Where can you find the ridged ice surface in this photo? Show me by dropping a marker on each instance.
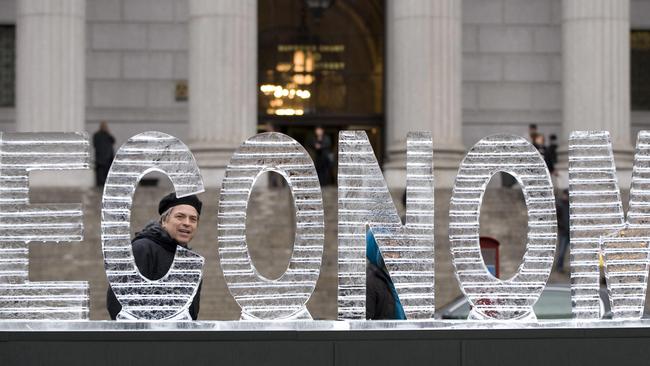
(302, 330)
(141, 298)
(598, 226)
(490, 297)
(22, 223)
(260, 297)
(364, 200)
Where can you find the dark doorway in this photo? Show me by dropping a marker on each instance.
(321, 64)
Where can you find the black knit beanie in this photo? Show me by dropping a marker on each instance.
(171, 200)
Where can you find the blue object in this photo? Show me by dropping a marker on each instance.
(492, 269)
(374, 256)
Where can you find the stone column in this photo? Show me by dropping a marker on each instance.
(50, 65)
(223, 81)
(424, 50)
(50, 75)
(596, 54)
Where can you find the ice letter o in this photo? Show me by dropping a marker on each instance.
(490, 297)
(259, 297)
(141, 298)
(22, 222)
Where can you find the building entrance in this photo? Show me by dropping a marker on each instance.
(321, 64)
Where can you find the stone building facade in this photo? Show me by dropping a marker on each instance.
(462, 70)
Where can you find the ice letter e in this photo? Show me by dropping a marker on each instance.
(22, 222)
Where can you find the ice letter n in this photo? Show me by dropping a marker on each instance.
(364, 200)
(598, 226)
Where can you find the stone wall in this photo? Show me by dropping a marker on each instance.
(512, 67)
(138, 49)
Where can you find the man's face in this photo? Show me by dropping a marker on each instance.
(181, 223)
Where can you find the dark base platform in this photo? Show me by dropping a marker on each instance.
(502, 347)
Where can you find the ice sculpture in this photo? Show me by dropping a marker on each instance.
(259, 297)
(492, 298)
(141, 298)
(598, 226)
(364, 200)
(22, 222)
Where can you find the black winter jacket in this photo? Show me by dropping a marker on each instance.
(103, 143)
(380, 303)
(153, 251)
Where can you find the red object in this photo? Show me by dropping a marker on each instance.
(490, 254)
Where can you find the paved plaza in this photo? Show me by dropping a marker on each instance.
(270, 237)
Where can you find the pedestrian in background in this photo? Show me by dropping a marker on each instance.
(562, 206)
(103, 143)
(552, 149)
(320, 147)
(532, 132)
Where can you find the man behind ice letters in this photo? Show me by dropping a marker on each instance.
(155, 246)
